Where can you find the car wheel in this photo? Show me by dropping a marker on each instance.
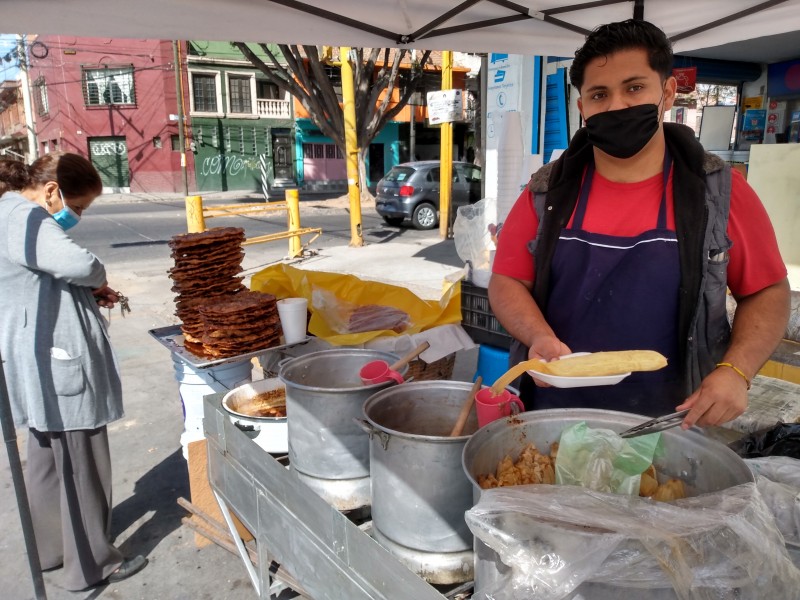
(425, 216)
(394, 221)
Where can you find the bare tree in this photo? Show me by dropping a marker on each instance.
(304, 76)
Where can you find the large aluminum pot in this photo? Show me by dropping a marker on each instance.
(419, 491)
(324, 398)
(703, 464)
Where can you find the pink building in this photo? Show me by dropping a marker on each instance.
(114, 101)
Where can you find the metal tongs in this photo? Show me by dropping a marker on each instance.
(657, 424)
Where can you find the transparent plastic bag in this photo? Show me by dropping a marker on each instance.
(471, 234)
(778, 479)
(558, 542)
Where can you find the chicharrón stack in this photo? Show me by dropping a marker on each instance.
(240, 324)
(207, 268)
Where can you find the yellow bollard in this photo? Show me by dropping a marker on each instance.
(195, 223)
(293, 221)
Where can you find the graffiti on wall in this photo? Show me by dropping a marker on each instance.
(108, 148)
(230, 164)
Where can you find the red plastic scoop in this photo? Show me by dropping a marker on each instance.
(379, 371)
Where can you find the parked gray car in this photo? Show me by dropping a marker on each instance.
(411, 191)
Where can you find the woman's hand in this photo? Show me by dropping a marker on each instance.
(106, 297)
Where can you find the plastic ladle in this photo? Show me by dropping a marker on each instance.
(466, 408)
(379, 371)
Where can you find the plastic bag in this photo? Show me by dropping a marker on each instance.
(599, 459)
(552, 541)
(778, 480)
(349, 291)
(471, 234)
(783, 439)
(347, 317)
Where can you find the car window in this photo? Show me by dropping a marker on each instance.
(399, 174)
(434, 175)
(471, 174)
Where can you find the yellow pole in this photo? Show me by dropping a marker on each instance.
(293, 220)
(351, 147)
(446, 153)
(195, 223)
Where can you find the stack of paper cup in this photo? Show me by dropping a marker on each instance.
(293, 313)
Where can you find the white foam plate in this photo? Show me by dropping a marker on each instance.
(575, 382)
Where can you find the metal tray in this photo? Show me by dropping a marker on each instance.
(171, 337)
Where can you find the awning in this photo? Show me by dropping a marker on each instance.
(547, 27)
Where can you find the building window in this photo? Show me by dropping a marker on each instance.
(308, 150)
(108, 86)
(267, 90)
(239, 94)
(40, 97)
(175, 142)
(205, 96)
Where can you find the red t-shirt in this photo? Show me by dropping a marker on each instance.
(628, 209)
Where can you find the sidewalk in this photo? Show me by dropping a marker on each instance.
(149, 471)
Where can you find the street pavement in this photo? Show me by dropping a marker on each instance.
(149, 471)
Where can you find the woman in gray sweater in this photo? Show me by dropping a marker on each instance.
(62, 375)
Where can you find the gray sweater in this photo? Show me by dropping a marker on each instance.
(61, 371)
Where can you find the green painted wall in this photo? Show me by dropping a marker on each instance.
(228, 152)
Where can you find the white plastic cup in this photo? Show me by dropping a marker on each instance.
(293, 313)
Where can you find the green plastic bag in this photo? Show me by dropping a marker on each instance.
(599, 459)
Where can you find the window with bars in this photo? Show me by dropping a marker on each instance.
(308, 150)
(239, 94)
(108, 86)
(40, 97)
(204, 92)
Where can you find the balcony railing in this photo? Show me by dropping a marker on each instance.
(273, 109)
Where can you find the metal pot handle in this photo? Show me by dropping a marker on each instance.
(372, 431)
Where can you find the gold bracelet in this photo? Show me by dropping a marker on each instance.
(738, 370)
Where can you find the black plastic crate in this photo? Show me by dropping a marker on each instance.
(477, 318)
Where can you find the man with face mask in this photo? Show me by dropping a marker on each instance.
(629, 241)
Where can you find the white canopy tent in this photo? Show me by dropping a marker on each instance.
(733, 29)
(755, 31)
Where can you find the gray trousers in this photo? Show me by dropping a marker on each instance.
(69, 489)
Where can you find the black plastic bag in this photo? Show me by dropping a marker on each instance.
(782, 439)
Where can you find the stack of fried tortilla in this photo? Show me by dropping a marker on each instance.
(207, 267)
(240, 324)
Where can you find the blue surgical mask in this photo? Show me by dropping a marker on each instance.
(66, 217)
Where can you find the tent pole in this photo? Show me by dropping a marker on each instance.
(446, 154)
(10, 438)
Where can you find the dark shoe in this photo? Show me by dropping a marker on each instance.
(129, 567)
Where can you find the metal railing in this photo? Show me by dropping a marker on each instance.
(196, 216)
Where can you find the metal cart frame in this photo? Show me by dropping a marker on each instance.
(330, 556)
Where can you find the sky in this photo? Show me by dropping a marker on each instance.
(8, 70)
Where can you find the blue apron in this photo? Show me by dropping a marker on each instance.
(615, 293)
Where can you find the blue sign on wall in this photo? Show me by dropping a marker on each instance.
(783, 79)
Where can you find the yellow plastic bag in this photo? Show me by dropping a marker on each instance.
(343, 300)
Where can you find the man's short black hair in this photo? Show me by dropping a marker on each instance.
(625, 35)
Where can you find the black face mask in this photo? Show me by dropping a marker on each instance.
(623, 133)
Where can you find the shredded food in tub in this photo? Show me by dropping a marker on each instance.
(533, 467)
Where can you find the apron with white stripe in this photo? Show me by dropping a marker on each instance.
(615, 293)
